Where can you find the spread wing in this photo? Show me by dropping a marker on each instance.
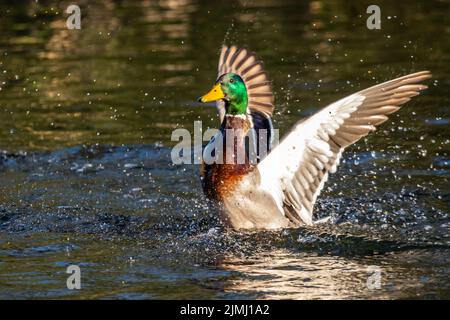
(296, 170)
(244, 63)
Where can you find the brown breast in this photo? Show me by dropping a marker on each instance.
(220, 179)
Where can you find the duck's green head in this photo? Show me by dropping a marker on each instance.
(231, 88)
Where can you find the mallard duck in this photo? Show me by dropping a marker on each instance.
(279, 190)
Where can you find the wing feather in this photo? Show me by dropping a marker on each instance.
(244, 63)
(297, 169)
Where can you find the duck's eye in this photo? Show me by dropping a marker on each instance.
(231, 80)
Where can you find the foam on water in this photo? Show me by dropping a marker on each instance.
(155, 215)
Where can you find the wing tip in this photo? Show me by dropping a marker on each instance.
(421, 75)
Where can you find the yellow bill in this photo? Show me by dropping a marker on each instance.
(214, 94)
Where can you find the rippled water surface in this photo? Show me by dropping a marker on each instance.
(85, 137)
